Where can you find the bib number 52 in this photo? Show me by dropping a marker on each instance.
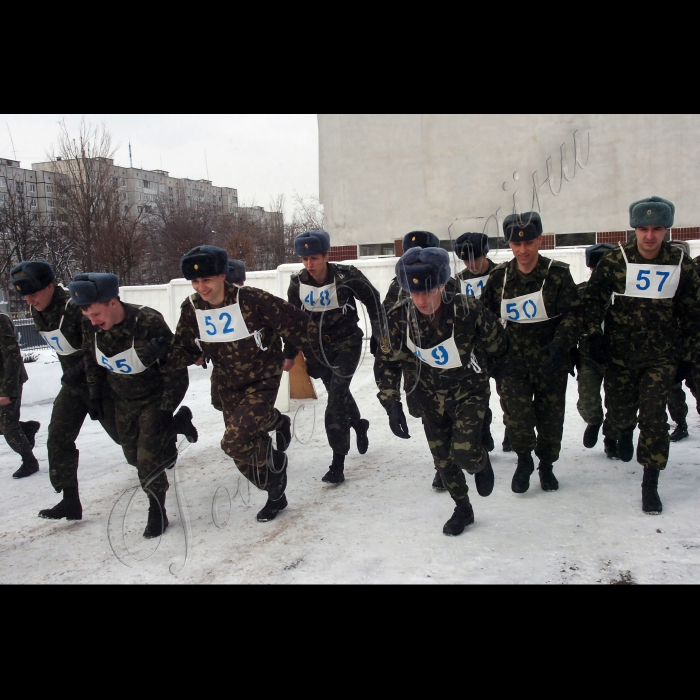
(644, 282)
(528, 310)
(212, 329)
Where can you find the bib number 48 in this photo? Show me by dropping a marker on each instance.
(644, 282)
(324, 298)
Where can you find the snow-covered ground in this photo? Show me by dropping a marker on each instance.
(383, 525)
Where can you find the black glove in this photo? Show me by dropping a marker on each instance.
(684, 371)
(598, 349)
(373, 346)
(575, 355)
(397, 422)
(500, 367)
(96, 409)
(156, 350)
(73, 377)
(556, 360)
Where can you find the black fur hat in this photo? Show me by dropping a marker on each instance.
(654, 211)
(236, 272)
(312, 243)
(420, 239)
(204, 261)
(423, 269)
(32, 276)
(522, 227)
(595, 252)
(473, 245)
(91, 287)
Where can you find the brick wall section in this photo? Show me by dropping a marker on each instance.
(613, 237)
(548, 241)
(685, 234)
(343, 252)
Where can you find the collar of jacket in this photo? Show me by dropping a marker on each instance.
(539, 272)
(668, 255)
(230, 297)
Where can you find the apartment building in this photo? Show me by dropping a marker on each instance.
(36, 186)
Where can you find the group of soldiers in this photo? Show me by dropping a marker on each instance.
(635, 325)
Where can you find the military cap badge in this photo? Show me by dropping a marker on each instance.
(415, 281)
(521, 234)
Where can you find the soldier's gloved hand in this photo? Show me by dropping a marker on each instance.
(96, 409)
(556, 360)
(598, 349)
(397, 422)
(500, 367)
(684, 371)
(73, 377)
(156, 350)
(373, 346)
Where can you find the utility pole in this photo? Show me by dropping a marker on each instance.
(131, 164)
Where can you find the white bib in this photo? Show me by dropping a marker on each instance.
(652, 281)
(443, 356)
(318, 298)
(222, 325)
(57, 341)
(528, 308)
(126, 362)
(475, 286)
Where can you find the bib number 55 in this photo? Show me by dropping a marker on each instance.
(122, 367)
(528, 309)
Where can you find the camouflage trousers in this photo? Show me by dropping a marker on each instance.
(453, 429)
(249, 415)
(67, 417)
(677, 405)
(535, 402)
(144, 443)
(638, 394)
(12, 428)
(590, 403)
(342, 412)
(215, 400)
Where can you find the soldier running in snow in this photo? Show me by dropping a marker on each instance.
(449, 340)
(648, 294)
(537, 300)
(329, 293)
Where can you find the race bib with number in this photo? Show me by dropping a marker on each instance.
(443, 356)
(652, 281)
(475, 286)
(223, 325)
(125, 363)
(58, 342)
(318, 298)
(528, 308)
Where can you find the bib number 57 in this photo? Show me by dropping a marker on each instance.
(643, 281)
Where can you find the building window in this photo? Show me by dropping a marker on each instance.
(33, 203)
(139, 184)
(123, 182)
(126, 208)
(3, 182)
(149, 197)
(170, 191)
(52, 217)
(49, 189)
(140, 210)
(124, 196)
(50, 203)
(579, 239)
(138, 196)
(161, 188)
(2, 198)
(32, 188)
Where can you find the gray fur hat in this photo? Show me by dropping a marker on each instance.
(31, 276)
(236, 272)
(423, 269)
(92, 287)
(522, 227)
(653, 211)
(471, 244)
(312, 243)
(204, 261)
(595, 252)
(420, 239)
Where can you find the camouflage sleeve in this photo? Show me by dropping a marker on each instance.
(392, 295)
(185, 349)
(96, 375)
(388, 366)
(570, 308)
(176, 381)
(290, 350)
(363, 290)
(490, 331)
(688, 307)
(597, 295)
(491, 297)
(296, 328)
(13, 371)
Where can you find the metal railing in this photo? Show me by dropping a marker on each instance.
(27, 337)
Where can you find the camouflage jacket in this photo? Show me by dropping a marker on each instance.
(12, 371)
(243, 362)
(339, 326)
(475, 330)
(561, 301)
(139, 326)
(62, 307)
(638, 329)
(466, 274)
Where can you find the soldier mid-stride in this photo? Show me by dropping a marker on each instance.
(537, 300)
(395, 298)
(590, 374)
(60, 322)
(329, 293)
(13, 375)
(115, 337)
(241, 330)
(652, 328)
(453, 390)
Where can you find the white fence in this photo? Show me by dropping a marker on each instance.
(167, 298)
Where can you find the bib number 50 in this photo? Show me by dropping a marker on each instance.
(528, 310)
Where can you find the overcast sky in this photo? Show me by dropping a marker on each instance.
(262, 155)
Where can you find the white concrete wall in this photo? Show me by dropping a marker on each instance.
(382, 175)
(167, 298)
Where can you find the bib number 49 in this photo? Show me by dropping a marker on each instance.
(644, 282)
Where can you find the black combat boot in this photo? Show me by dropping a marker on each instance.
(463, 515)
(625, 446)
(276, 475)
(283, 435)
(271, 508)
(30, 429)
(437, 482)
(610, 447)
(362, 439)
(335, 474)
(182, 424)
(590, 435)
(680, 433)
(69, 508)
(651, 503)
(29, 466)
(157, 517)
(521, 478)
(484, 479)
(486, 438)
(548, 481)
(506, 442)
